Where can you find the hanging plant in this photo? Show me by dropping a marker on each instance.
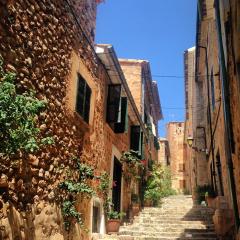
(132, 165)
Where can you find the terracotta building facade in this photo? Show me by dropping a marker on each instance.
(175, 137)
(50, 46)
(216, 88)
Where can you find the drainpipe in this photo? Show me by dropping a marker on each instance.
(227, 116)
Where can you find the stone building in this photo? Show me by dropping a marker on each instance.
(146, 97)
(175, 137)
(91, 115)
(217, 93)
(163, 152)
(194, 132)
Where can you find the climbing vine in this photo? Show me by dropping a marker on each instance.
(18, 117)
(103, 189)
(73, 187)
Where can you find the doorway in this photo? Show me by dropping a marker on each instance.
(116, 186)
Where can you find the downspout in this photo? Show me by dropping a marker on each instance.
(227, 116)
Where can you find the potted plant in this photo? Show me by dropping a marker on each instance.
(204, 192)
(114, 221)
(135, 204)
(210, 196)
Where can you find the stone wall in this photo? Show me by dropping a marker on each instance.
(44, 44)
(175, 137)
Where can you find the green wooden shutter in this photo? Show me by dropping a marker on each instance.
(122, 126)
(136, 141)
(113, 103)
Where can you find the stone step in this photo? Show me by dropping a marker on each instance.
(165, 228)
(172, 220)
(170, 234)
(176, 219)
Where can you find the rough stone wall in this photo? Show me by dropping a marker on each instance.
(233, 63)
(175, 136)
(86, 10)
(42, 41)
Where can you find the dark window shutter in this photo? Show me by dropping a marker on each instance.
(83, 98)
(87, 103)
(113, 103)
(135, 139)
(122, 126)
(80, 95)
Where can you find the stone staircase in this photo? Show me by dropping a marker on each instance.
(176, 219)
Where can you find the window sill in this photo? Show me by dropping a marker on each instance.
(81, 124)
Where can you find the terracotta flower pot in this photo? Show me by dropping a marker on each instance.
(210, 201)
(113, 225)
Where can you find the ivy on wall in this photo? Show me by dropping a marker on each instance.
(18, 117)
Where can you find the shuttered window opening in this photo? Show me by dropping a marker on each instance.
(83, 98)
(136, 140)
(122, 125)
(113, 103)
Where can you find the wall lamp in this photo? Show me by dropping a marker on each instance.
(190, 144)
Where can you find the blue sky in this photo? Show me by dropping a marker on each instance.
(156, 30)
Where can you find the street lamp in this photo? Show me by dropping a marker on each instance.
(190, 141)
(190, 144)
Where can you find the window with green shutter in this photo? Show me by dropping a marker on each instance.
(83, 98)
(113, 103)
(136, 140)
(122, 126)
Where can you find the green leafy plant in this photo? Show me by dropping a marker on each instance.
(132, 165)
(77, 187)
(18, 124)
(159, 184)
(73, 187)
(85, 171)
(115, 215)
(104, 183)
(204, 190)
(70, 213)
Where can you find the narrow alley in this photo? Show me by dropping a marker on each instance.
(119, 119)
(176, 219)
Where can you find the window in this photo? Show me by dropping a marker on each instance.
(113, 103)
(122, 126)
(117, 109)
(136, 140)
(83, 98)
